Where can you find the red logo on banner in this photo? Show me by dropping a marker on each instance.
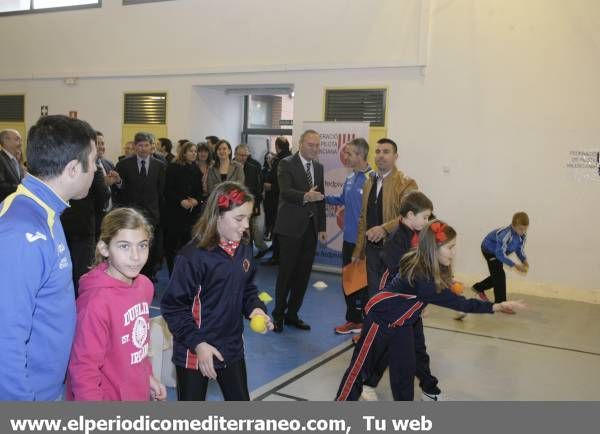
(342, 140)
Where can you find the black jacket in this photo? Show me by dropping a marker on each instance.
(280, 156)
(253, 180)
(9, 178)
(293, 214)
(182, 181)
(79, 220)
(144, 193)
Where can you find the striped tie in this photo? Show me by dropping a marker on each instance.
(309, 176)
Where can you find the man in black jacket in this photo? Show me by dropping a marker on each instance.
(300, 221)
(79, 224)
(253, 180)
(282, 147)
(142, 186)
(111, 177)
(11, 171)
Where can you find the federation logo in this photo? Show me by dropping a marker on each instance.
(246, 265)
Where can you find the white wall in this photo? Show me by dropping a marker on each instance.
(211, 36)
(217, 114)
(509, 89)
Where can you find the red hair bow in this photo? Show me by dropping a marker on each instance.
(438, 229)
(235, 197)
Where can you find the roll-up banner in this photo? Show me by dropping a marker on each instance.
(334, 136)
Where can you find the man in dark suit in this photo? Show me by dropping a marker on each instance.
(111, 177)
(253, 180)
(79, 222)
(11, 171)
(142, 186)
(282, 147)
(300, 221)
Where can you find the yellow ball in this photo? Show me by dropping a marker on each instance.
(258, 323)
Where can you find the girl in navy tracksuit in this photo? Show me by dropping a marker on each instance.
(211, 288)
(415, 211)
(425, 277)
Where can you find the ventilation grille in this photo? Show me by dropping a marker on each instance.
(12, 108)
(147, 108)
(356, 105)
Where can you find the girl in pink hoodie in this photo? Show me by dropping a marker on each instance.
(109, 356)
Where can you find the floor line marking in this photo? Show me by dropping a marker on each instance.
(273, 387)
(292, 397)
(512, 340)
(279, 383)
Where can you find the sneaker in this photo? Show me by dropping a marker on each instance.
(507, 310)
(432, 397)
(355, 339)
(460, 316)
(349, 327)
(480, 294)
(369, 394)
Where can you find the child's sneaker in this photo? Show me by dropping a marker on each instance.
(369, 394)
(480, 294)
(432, 397)
(349, 327)
(355, 339)
(460, 316)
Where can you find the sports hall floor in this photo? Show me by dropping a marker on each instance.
(550, 352)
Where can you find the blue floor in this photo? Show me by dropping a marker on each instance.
(272, 355)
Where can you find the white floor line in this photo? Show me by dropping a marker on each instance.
(291, 374)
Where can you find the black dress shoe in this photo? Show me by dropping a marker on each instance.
(277, 325)
(298, 323)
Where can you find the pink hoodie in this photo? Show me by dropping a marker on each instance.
(109, 356)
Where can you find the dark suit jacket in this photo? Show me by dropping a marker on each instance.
(79, 220)
(9, 178)
(145, 193)
(108, 166)
(275, 184)
(294, 215)
(182, 181)
(253, 180)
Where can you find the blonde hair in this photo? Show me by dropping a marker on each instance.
(422, 263)
(117, 219)
(205, 230)
(520, 218)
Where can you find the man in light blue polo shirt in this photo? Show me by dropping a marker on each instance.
(351, 198)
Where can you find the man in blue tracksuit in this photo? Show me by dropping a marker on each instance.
(496, 247)
(37, 315)
(351, 198)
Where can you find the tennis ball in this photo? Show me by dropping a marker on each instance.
(457, 288)
(258, 323)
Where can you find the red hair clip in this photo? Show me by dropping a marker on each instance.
(235, 197)
(438, 229)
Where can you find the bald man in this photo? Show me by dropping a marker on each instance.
(11, 171)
